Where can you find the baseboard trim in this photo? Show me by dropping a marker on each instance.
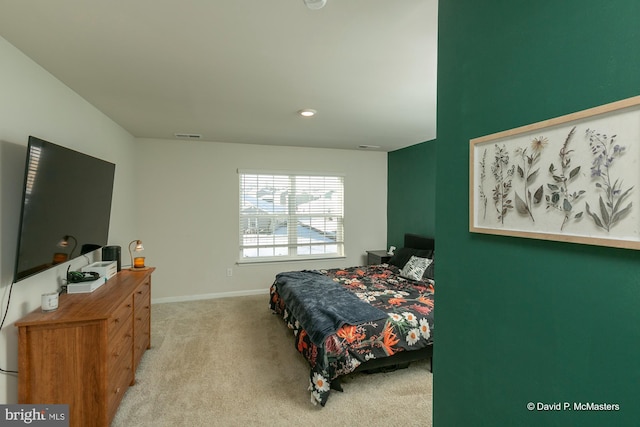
(209, 296)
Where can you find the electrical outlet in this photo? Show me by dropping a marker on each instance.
(229, 272)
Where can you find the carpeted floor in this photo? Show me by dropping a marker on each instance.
(231, 362)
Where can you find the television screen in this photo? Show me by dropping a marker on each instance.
(66, 206)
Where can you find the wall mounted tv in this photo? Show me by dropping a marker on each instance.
(66, 206)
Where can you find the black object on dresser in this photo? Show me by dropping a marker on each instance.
(112, 253)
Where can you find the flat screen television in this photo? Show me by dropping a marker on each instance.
(66, 207)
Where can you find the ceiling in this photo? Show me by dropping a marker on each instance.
(239, 70)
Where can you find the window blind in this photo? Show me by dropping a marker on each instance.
(290, 216)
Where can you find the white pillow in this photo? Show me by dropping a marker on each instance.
(415, 268)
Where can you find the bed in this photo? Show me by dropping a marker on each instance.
(365, 318)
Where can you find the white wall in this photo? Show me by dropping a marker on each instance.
(33, 102)
(188, 212)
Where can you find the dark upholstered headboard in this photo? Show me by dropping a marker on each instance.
(415, 241)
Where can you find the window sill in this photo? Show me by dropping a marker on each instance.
(282, 260)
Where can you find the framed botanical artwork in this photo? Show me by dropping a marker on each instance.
(574, 178)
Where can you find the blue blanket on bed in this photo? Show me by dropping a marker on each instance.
(321, 305)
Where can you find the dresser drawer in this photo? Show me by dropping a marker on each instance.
(142, 338)
(142, 323)
(119, 318)
(120, 343)
(120, 377)
(142, 311)
(142, 295)
(120, 357)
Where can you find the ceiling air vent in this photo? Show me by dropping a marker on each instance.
(188, 135)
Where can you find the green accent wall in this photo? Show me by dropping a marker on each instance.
(411, 195)
(523, 320)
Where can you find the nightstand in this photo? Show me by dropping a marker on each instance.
(377, 257)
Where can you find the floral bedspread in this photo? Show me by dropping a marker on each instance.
(409, 325)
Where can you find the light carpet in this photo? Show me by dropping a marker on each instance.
(232, 362)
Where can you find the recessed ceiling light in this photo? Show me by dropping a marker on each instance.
(368, 147)
(307, 112)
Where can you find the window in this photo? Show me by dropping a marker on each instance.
(290, 216)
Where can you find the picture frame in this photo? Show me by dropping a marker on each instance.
(573, 178)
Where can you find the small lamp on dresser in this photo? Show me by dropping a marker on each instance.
(137, 263)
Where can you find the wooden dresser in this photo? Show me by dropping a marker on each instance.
(85, 353)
